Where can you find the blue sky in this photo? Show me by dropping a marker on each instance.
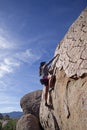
(29, 33)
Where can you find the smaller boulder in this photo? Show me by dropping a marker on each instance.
(30, 103)
(4, 123)
(28, 122)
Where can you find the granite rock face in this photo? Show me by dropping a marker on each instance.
(67, 108)
(73, 48)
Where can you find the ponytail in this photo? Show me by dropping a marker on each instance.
(40, 68)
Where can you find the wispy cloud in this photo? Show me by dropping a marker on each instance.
(9, 103)
(4, 44)
(5, 40)
(6, 62)
(3, 86)
(10, 108)
(11, 57)
(14, 60)
(27, 56)
(8, 100)
(7, 66)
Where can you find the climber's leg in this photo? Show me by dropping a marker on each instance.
(46, 94)
(46, 84)
(52, 80)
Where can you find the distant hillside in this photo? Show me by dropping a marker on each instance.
(13, 114)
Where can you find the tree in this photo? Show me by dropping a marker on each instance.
(1, 116)
(0, 126)
(6, 117)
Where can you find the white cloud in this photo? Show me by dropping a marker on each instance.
(13, 55)
(7, 66)
(12, 60)
(7, 47)
(6, 98)
(10, 109)
(4, 44)
(3, 86)
(9, 103)
(5, 40)
(27, 56)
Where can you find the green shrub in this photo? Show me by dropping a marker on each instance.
(0, 126)
(11, 125)
(1, 116)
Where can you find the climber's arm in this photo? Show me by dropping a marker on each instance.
(51, 60)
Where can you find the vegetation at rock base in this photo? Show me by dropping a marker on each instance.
(10, 125)
(0, 126)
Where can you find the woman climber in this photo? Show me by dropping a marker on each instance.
(47, 78)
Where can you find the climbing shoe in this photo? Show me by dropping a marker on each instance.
(46, 104)
(50, 89)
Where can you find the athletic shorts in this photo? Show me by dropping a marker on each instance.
(44, 81)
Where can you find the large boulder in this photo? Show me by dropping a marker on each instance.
(67, 108)
(30, 103)
(73, 48)
(28, 122)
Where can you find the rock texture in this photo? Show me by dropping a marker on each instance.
(28, 122)
(67, 108)
(73, 48)
(30, 103)
(3, 122)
